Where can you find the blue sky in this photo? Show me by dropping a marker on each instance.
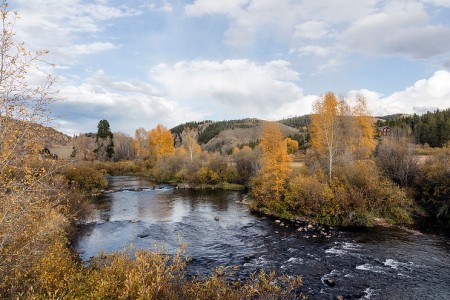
(138, 63)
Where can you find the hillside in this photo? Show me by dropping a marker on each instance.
(57, 142)
(225, 135)
(298, 122)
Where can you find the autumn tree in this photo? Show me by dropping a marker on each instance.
(363, 131)
(292, 145)
(268, 188)
(31, 220)
(84, 146)
(246, 162)
(341, 132)
(189, 141)
(104, 140)
(396, 158)
(123, 146)
(325, 128)
(140, 143)
(160, 139)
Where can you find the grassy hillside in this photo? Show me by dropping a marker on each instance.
(225, 135)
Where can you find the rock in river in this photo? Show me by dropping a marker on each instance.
(330, 282)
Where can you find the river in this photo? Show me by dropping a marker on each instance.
(373, 263)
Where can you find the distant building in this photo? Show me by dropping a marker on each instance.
(384, 131)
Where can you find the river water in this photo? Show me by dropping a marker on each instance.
(375, 263)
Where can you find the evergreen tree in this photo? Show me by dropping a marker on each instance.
(104, 140)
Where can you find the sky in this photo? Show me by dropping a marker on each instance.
(138, 63)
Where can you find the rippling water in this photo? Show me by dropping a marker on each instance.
(377, 263)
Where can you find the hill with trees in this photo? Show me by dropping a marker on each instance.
(223, 136)
(432, 128)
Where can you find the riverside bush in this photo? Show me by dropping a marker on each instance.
(85, 178)
(146, 274)
(356, 195)
(433, 186)
(118, 167)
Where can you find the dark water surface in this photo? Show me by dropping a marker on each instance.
(376, 263)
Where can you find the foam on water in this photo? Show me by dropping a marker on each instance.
(295, 260)
(394, 264)
(369, 267)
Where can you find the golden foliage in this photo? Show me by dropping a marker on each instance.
(292, 145)
(161, 140)
(341, 132)
(268, 188)
(140, 144)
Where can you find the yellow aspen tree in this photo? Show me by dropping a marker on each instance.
(161, 141)
(292, 145)
(365, 131)
(189, 141)
(325, 128)
(275, 167)
(140, 142)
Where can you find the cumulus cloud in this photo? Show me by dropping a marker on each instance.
(285, 18)
(370, 27)
(127, 105)
(425, 95)
(233, 88)
(57, 25)
(311, 30)
(400, 28)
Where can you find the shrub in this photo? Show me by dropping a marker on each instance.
(309, 197)
(147, 274)
(85, 178)
(433, 187)
(118, 168)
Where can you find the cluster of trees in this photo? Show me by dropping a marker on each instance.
(340, 184)
(188, 163)
(432, 128)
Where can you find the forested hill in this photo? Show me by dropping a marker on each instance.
(225, 135)
(298, 122)
(432, 128)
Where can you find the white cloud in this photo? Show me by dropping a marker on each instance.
(58, 25)
(91, 48)
(279, 19)
(311, 50)
(127, 105)
(372, 27)
(426, 94)
(330, 65)
(311, 30)
(232, 88)
(400, 28)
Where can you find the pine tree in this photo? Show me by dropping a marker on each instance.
(104, 140)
